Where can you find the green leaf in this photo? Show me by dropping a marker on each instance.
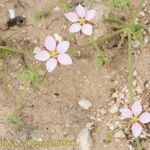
(138, 36)
(31, 76)
(108, 136)
(136, 27)
(13, 119)
(101, 60)
(136, 30)
(26, 76)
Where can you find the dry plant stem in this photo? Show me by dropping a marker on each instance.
(5, 75)
(130, 69)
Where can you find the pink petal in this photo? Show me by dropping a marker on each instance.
(50, 43)
(72, 17)
(80, 10)
(126, 113)
(64, 59)
(42, 55)
(63, 46)
(137, 108)
(136, 129)
(87, 29)
(51, 64)
(76, 27)
(145, 117)
(90, 15)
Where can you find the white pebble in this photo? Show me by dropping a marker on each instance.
(114, 108)
(120, 135)
(85, 104)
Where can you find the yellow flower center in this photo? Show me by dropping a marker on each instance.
(54, 54)
(135, 119)
(82, 21)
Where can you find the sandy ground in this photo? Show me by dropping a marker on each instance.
(51, 112)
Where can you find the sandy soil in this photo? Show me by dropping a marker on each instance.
(51, 112)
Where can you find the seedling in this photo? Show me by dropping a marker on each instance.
(15, 120)
(38, 16)
(31, 77)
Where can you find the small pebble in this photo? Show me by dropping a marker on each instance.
(120, 135)
(114, 109)
(85, 104)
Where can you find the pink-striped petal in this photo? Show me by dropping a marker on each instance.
(64, 59)
(87, 29)
(42, 55)
(50, 43)
(51, 64)
(126, 113)
(136, 129)
(137, 108)
(72, 17)
(76, 27)
(80, 10)
(90, 15)
(63, 46)
(145, 117)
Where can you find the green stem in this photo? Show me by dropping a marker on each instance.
(15, 50)
(99, 39)
(139, 147)
(130, 69)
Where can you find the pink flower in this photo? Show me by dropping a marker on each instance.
(81, 20)
(136, 116)
(54, 53)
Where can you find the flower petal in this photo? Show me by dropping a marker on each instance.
(51, 64)
(42, 55)
(87, 29)
(72, 17)
(63, 46)
(50, 43)
(90, 15)
(80, 10)
(137, 108)
(126, 113)
(136, 129)
(145, 117)
(76, 27)
(64, 59)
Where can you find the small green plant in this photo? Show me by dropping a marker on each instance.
(119, 3)
(108, 136)
(30, 76)
(101, 60)
(38, 16)
(64, 4)
(15, 120)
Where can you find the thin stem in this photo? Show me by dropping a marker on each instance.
(16, 50)
(99, 39)
(5, 78)
(139, 147)
(137, 10)
(130, 69)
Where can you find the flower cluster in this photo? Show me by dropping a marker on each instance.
(54, 52)
(136, 117)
